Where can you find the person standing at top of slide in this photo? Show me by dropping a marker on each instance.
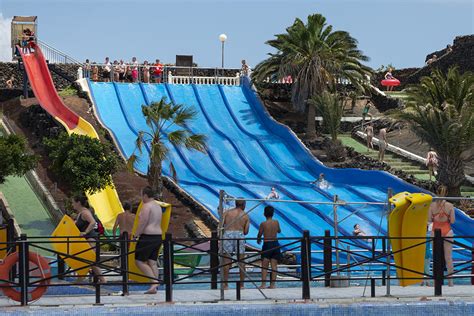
(382, 143)
(432, 162)
(134, 66)
(245, 69)
(107, 69)
(149, 238)
(157, 71)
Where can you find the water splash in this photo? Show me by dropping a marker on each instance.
(5, 31)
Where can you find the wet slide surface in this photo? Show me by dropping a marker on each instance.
(106, 202)
(247, 154)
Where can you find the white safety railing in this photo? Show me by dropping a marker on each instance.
(230, 81)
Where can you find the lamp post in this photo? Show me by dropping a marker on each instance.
(222, 38)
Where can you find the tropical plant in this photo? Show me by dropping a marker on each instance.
(331, 108)
(440, 110)
(315, 56)
(84, 163)
(14, 159)
(160, 117)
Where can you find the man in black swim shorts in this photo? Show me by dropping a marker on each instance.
(149, 238)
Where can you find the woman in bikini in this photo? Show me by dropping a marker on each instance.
(442, 216)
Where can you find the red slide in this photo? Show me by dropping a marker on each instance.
(44, 90)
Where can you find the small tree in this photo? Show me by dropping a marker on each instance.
(14, 159)
(160, 117)
(82, 162)
(331, 109)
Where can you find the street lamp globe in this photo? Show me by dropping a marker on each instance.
(222, 38)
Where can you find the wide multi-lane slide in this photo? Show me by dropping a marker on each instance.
(248, 153)
(106, 203)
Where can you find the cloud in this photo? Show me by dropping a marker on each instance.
(5, 45)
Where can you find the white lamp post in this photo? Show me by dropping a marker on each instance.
(222, 38)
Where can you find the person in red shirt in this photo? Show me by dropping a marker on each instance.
(157, 71)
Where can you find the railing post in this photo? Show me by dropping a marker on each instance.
(168, 268)
(24, 268)
(438, 262)
(214, 259)
(384, 249)
(96, 277)
(472, 265)
(305, 264)
(327, 256)
(11, 247)
(61, 268)
(372, 287)
(336, 233)
(388, 251)
(124, 262)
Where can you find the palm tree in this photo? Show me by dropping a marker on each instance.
(441, 112)
(160, 117)
(315, 56)
(330, 107)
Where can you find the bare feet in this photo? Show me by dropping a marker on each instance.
(263, 286)
(272, 286)
(242, 286)
(226, 287)
(151, 291)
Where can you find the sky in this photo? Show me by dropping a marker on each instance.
(400, 32)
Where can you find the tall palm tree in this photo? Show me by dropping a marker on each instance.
(315, 56)
(441, 112)
(160, 117)
(330, 107)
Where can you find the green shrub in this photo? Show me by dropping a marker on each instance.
(83, 162)
(14, 159)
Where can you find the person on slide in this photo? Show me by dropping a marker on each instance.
(149, 238)
(389, 76)
(441, 214)
(87, 225)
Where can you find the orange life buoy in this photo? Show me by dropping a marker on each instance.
(8, 288)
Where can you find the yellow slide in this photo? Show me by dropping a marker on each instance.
(409, 219)
(106, 203)
(165, 222)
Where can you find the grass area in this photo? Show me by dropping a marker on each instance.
(68, 91)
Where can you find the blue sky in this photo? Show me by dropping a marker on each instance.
(400, 32)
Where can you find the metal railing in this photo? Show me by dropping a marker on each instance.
(55, 56)
(370, 263)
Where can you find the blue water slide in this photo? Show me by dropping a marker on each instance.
(247, 153)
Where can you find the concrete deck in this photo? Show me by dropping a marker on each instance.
(319, 296)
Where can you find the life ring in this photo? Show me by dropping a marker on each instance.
(390, 82)
(8, 288)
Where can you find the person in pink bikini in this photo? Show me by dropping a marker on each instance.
(441, 214)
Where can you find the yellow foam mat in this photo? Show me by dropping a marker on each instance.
(414, 224)
(395, 226)
(165, 221)
(67, 227)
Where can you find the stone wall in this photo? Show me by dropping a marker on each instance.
(7, 70)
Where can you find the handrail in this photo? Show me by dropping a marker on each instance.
(55, 56)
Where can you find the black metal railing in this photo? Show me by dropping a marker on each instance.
(365, 261)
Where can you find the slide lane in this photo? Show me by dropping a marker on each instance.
(106, 202)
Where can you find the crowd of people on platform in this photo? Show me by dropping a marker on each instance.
(120, 71)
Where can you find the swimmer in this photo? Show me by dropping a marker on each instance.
(273, 194)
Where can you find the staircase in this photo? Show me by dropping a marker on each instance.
(59, 62)
(416, 169)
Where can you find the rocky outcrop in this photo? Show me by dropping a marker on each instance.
(462, 55)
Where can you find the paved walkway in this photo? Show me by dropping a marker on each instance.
(320, 295)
